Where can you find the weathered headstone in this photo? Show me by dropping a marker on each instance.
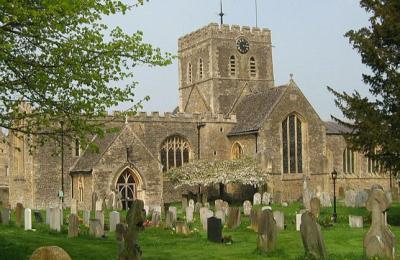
(99, 205)
(389, 197)
(247, 208)
(114, 220)
(18, 214)
(120, 233)
(73, 225)
(325, 199)
(49, 253)
(189, 214)
(266, 198)
(5, 216)
(181, 228)
(86, 217)
(94, 201)
(277, 197)
(221, 215)
(254, 218)
(100, 216)
(225, 207)
(279, 219)
(307, 194)
(214, 230)
(267, 232)
(55, 219)
(74, 206)
(28, 219)
(38, 216)
(355, 221)
(95, 228)
(266, 207)
(350, 198)
(206, 215)
(174, 213)
(111, 200)
(361, 199)
(315, 206)
(298, 221)
(233, 218)
(285, 204)
(257, 199)
(184, 201)
(379, 241)
(155, 218)
(169, 219)
(341, 193)
(197, 206)
(311, 236)
(218, 204)
(191, 203)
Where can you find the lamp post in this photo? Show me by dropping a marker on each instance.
(334, 177)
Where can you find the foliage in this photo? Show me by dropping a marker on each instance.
(376, 122)
(202, 172)
(60, 63)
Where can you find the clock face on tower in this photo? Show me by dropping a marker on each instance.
(242, 45)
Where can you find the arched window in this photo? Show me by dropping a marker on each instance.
(232, 65)
(201, 69)
(126, 187)
(292, 144)
(252, 67)
(189, 74)
(373, 165)
(348, 161)
(236, 151)
(175, 151)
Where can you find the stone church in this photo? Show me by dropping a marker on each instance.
(229, 107)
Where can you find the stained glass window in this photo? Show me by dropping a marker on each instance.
(175, 151)
(292, 145)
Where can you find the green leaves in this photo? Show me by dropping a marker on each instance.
(54, 57)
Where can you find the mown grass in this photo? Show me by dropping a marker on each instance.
(341, 241)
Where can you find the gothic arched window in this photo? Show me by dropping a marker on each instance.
(126, 186)
(175, 151)
(236, 151)
(252, 67)
(232, 65)
(201, 69)
(292, 144)
(189, 74)
(348, 161)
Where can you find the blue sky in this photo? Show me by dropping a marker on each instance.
(307, 36)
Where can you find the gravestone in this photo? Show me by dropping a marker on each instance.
(355, 221)
(325, 199)
(389, 197)
(350, 198)
(94, 201)
(5, 216)
(214, 230)
(73, 225)
(74, 206)
(341, 193)
(298, 221)
(206, 215)
(155, 218)
(315, 206)
(48, 216)
(307, 194)
(197, 206)
(311, 236)
(266, 198)
(86, 217)
(184, 201)
(279, 219)
(379, 241)
(174, 213)
(100, 216)
(114, 220)
(38, 216)
(99, 205)
(111, 200)
(246, 208)
(147, 209)
(181, 228)
(233, 218)
(49, 253)
(169, 219)
(221, 215)
(95, 228)
(218, 204)
(28, 219)
(361, 199)
(254, 218)
(225, 207)
(18, 214)
(55, 219)
(191, 203)
(257, 199)
(277, 197)
(267, 232)
(189, 214)
(266, 207)
(285, 204)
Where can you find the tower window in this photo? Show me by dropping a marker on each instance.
(252, 67)
(348, 161)
(292, 144)
(232, 65)
(189, 76)
(200, 69)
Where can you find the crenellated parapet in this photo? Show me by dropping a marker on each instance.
(215, 31)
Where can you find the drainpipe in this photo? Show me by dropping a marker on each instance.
(256, 134)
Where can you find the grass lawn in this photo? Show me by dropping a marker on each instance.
(156, 243)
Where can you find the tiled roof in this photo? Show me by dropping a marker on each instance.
(335, 128)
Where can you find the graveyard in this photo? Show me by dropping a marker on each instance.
(174, 236)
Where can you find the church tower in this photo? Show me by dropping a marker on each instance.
(218, 65)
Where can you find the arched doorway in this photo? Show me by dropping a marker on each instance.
(127, 187)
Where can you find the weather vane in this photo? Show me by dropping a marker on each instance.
(221, 14)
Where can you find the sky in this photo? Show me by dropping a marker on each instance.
(307, 35)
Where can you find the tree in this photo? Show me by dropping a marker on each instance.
(60, 65)
(375, 122)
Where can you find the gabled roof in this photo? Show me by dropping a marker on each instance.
(90, 158)
(335, 128)
(254, 108)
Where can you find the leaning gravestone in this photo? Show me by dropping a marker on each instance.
(350, 198)
(379, 241)
(189, 214)
(221, 215)
(50, 253)
(135, 219)
(254, 218)
(95, 228)
(214, 230)
(73, 225)
(5, 216)
(355, 221)
(233, 218)
(311, 236)
(114, 220)
(257, 199)
(279, 219)
(246, 208)
(18, 214)
(315, 206)
(266, 198)
(28, 219)
(267, 232)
